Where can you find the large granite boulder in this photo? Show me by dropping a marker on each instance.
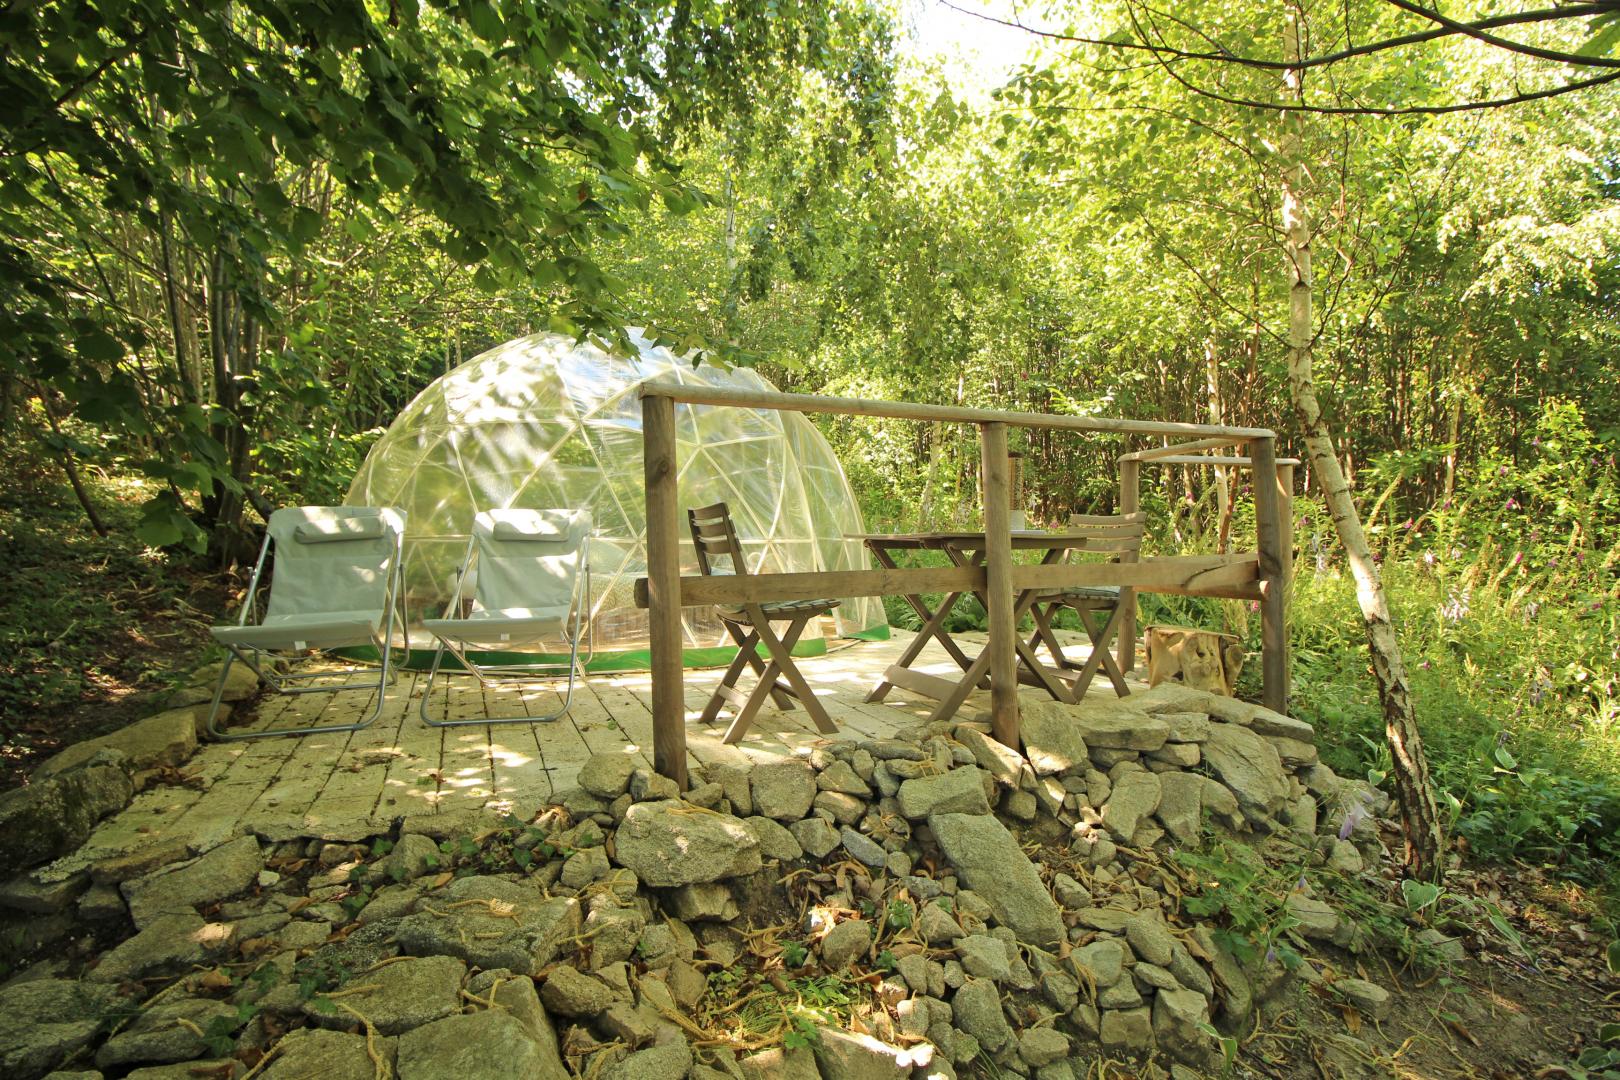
(54, 815)
(167, 738)
(994, 866)
(669, 843)
(491, 923)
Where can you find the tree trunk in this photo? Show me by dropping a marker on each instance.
(1223, 491)
(1420, 817)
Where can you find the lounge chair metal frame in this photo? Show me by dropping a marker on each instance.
(489, 674)
(284, 682)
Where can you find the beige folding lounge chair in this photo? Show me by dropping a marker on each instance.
(530, 577)
(337, 581)
(750, 625)
(1101, 607)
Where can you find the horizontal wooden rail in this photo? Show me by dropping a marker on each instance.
(813, 585)
(1214, 575)
(1204, 459)
(910, 410)
(1154, 453)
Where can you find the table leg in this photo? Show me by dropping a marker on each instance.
(932, 629)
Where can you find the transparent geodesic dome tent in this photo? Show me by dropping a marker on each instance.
(544, 422)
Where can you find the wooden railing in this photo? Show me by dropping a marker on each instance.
(1254, 575)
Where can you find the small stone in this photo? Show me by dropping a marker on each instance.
(1250, 767)
(408, 994)
(1003, 763)
(666, 1061)
(1104, 959)
(1343, 857)
(1136, 795)
(782, 790)
(497, 924)
(816, 836)
(648, 786)
(846, 1055)
(1449, 949)
(1040, 1046)
(779, 1063)
(1179, 755)
(845, 943)
(1151, 977)
(776, 841)
(165, 738)
(1108, 919)
(733, 780)
(937, 926)
(863, 849)
(1122, 995)
(491, 1044)
(666, 845)
(570, 992)
(841, 777)
(976, 1009)
(1369, 999)
(1150, 938)
(1070, 893)
(223, 872)
(102, 903)
(28, 893)
(1118, 726)
(1180, 1018)
(117, 869)
(1186, 727)
(166, 944)
(1181, 805)
(331, 1055)
(607, 776)
(1020, 805)
(844, 809)
(585, 866)
(1052, 740)
(707, 796)
(985, 957)
(413, 856)
(1316, 919)
(960, 791)
(709, 900)
(1128, 1031)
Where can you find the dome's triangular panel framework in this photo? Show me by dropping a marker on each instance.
(542, 421)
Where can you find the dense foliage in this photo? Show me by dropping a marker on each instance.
(238, 237)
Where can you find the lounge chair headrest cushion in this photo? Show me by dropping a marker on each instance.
(327, 530)
(537, 527)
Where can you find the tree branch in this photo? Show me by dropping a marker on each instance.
(1478, 34)
(1225, 56)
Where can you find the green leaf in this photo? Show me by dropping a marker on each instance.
(1505, 759)
(1614, 957)
(1419, 894)
(1609, 1033)
(486, 21)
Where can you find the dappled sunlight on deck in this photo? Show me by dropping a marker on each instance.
(353, 785)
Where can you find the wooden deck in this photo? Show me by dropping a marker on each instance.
(355, 785)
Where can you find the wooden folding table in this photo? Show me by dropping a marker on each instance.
(966, 549)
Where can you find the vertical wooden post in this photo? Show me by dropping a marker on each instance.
(1285, 501)
(1269, 534)
(664, 586)
(998, 585)
(1130, 501)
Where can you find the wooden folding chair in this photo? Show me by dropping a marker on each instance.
(720, 553)
(1101, 607)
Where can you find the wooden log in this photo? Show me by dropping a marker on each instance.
(1203, 659)
(1157, 453)
(1184, 575)
(998, 583)
(694, 394)
(1130, 502)
(664, 587)
(1268, 526)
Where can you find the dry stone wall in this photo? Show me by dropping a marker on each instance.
(622, 934)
